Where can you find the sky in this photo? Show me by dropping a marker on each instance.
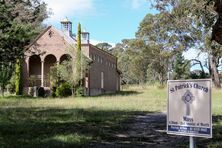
(106, 20)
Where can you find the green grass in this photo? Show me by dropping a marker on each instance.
(75, 122)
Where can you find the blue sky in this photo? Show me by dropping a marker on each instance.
(106, 20)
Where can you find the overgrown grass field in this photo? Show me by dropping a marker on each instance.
(68, 122)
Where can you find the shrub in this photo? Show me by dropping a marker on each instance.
(41, 92)
(64, 90)
(80, 91)
(53, 92)
(11, 88)
(18, 79)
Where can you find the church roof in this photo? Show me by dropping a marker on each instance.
(70, 40)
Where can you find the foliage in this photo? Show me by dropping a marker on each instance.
(104, 46)
(64, 90)
(67, 72)
(11, 84)
(191, 21)
(181, 68)
(80, 92)
(197, 74)
(53, 91)
(6, 70)
(77, 62)
(18, 81)
(21, 21)
(217, 30)
(137, 60)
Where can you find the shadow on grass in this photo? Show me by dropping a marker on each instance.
(16, 97)
(43, 127)
(39, 127)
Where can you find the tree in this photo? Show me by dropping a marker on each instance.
(181, 68)
(131, 60)
(74, 69)
(193, 19)
(5, 75)
(18, 81)
(217, 27)
(160, 43)
(104, 46)
(78, 61)
(68, 71)
(21, 21)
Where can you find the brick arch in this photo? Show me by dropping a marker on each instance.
(49, 61)
(64, 57)
(35, 65)
(34, 70)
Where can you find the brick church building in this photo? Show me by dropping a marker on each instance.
(50, 48)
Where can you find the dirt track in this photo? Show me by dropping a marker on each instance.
(148, 130)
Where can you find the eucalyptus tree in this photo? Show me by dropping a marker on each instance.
(104, 46)
(194, 19)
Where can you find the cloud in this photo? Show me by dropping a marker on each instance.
(63, 8)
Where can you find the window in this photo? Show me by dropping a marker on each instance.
(102, 80)
(94, 57)
(101, 60)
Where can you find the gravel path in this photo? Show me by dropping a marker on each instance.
(148, 130)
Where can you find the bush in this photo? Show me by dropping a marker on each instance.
(53, 92)
(64, 90)
(11, 84)
(41, 92)
(11, 88)
(80, 91)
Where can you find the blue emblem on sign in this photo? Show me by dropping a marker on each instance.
(188, 98)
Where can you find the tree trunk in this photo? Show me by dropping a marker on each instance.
(73, 91)
(214, 72)
(2, 90)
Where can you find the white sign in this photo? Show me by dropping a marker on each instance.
(189, 108)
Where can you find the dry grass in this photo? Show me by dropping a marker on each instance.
(74, 122)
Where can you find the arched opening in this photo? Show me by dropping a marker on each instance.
(64, 58)
(34, 71)
(50, 60)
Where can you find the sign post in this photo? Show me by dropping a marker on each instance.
(192, 142)
(189, 109)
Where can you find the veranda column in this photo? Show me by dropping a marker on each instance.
(42, 74)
